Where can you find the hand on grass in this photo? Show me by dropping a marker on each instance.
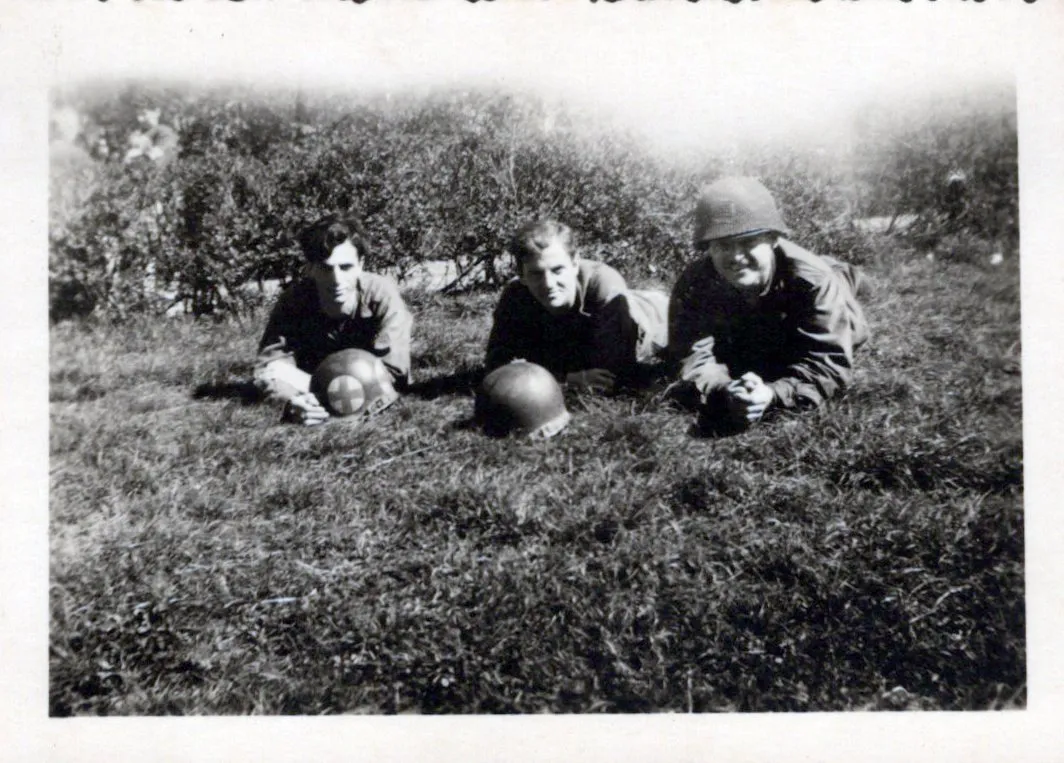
(592, 380)
(748, 398)
(304, 409)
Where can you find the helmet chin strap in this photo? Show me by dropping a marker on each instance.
(379, 405)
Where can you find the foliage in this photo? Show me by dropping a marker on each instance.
(207, 559)
(450, 176)
(911, 151)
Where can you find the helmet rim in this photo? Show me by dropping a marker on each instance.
(365, 368)
(521, 397)
(735, 206)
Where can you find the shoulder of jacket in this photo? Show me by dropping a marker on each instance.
(378, 281)
(514, 292)
(591, 267)
(298, 294)
(803, 264)
(601, 270)
(699, 269)
(600, 276)
(379, 286)
(515, 287)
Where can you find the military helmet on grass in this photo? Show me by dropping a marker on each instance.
(352, 382)
(521, 397)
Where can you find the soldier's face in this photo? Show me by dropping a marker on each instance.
(336, 279)
(551, 276)
(746, 262)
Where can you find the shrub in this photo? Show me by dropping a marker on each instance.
(909, 154)
(449, 177)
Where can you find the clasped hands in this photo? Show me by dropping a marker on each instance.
(747, 398)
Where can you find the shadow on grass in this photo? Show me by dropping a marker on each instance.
(711, 419)
(244, 391)
(460, 383)
(463, 382)
(642, 377)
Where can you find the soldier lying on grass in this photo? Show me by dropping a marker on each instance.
(337, 306)
(576, 318)
(759, 323)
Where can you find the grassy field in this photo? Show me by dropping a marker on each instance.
(207, 559)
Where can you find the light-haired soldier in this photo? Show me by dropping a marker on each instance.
(575, 317)
(759, 323)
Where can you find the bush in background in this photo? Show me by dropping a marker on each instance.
(449, 177)
(910, 151)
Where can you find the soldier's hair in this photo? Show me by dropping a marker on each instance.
(532, 238)
(320, 238)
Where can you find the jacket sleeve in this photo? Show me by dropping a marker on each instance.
(395, 325)
(684, 318)
(691, 344)
(275, 350)
(509, 338)
(276, 341)
(823, 346)
(614, 333)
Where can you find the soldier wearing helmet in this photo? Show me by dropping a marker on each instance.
(337, 306)
(575, 317)
(759, 323)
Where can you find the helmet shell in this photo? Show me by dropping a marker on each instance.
(521, 397)
(735, 206)
(351, 382)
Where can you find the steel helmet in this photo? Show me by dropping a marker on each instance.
(350, 382)
(521, 397)
(733, 206)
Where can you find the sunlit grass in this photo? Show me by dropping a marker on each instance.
(208, 559)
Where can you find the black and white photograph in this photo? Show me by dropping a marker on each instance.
(653, 364)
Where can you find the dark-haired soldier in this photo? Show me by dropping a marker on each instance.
(758, 322)
(336, 306)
